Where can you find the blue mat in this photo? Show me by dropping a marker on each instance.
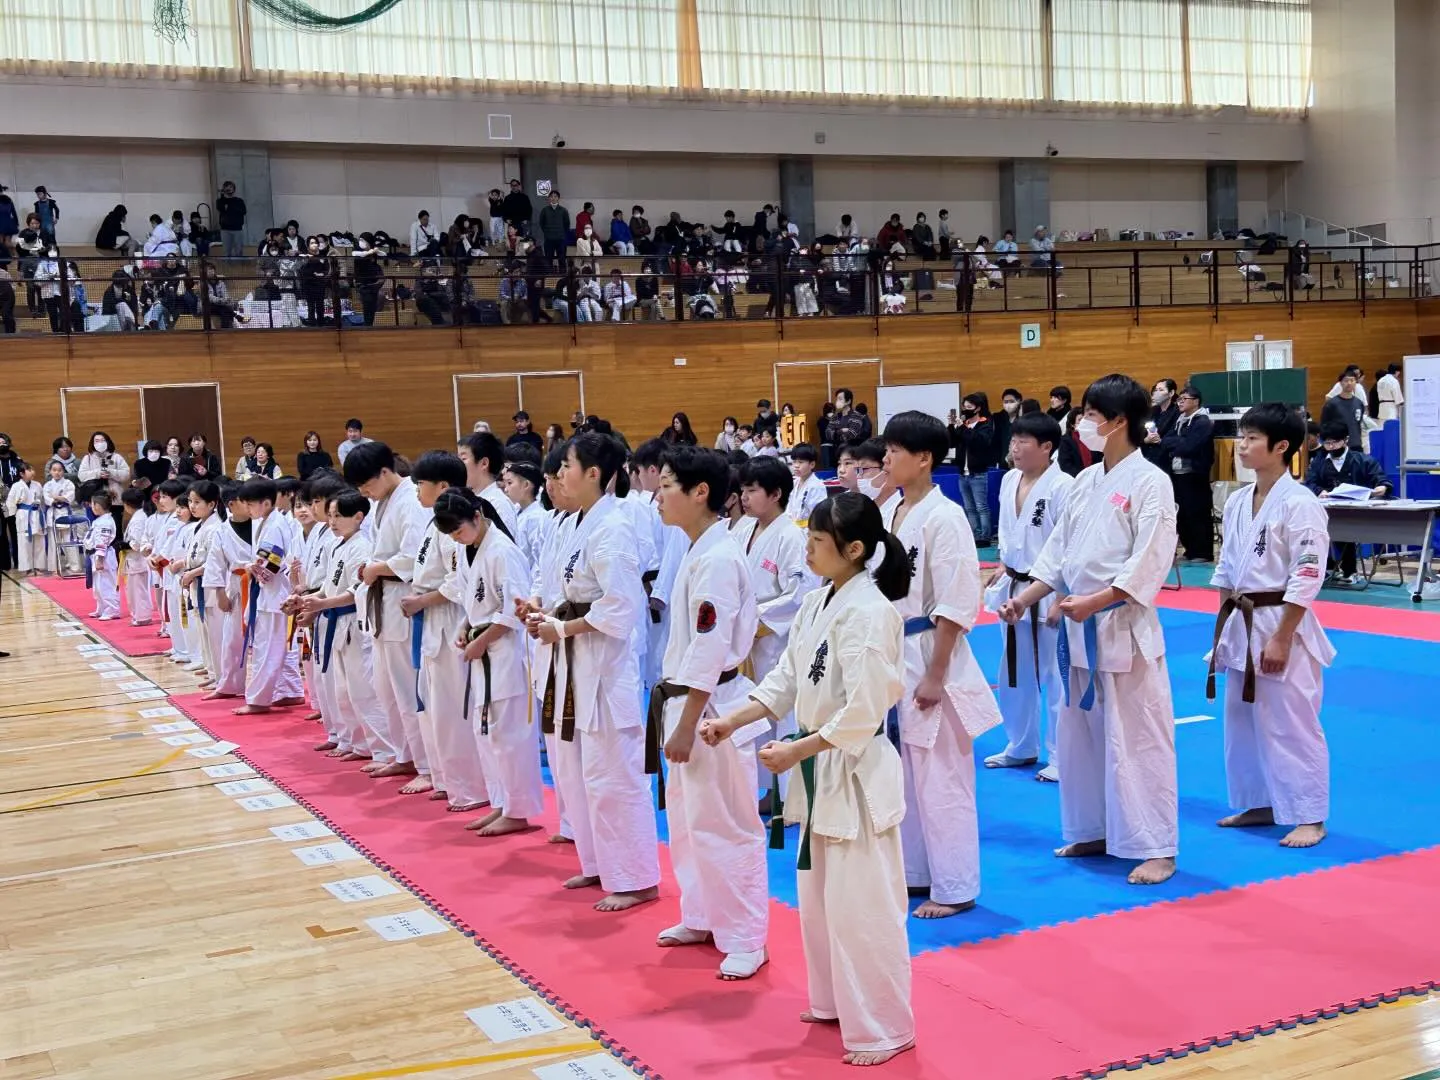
(1384, 732)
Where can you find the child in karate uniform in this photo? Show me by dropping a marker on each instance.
(670, 547)
(26, 504)
(157, 542)
(1267, 639)
(184, 626)
(842, 671)
(319, 541)
(810, 490)
(947, 703)
(522, 481)
(1110, 554)
(207, 623)
(1032, 494)
(270, 586)
(139, 596)
(227, 583)
(100, 543)
(717, 843)
(491, 639)
(59, 495)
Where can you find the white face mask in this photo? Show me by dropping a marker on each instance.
(1160, 397)
(100, 446)
(1089, 432)
(153, 455)
(869, 488)
(1012, 407)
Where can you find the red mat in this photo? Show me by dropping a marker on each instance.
(72, 595)
(1421, 623)
(1068, 1000)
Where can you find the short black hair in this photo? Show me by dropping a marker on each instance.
(804, 452)
(347, 502)
(696, 465)
(367, 461)
(1119, 396)
(322, 487)
(61, 441)
(485, 446)
(523, 451)
(101, 499)
(173, 487)
(1042, 427)
(1334, 431)
(1010, 392)
(439, 466)
(650, 452)
(1276, 421)
(528, 471)
(355, 424)
(919, 433)
(134, 497)
(1062, 392)
(869, 450)
(1169, 384)
(769, 476)
(458, 505)
(596, 450)
(257, 489)
(847, 392)
(1190, 391)
(553, 460)
(152, 445)
(287, 485)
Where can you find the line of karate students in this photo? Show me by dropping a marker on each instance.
(443, 615)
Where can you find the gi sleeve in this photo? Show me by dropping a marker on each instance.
(1049, 563)
(512, 576)
(673, 546)
(412, 534)
(1226, 573)
(453, 587)
(795, 582)
(954, 571)
(618, 610)
(777, 692)
(868, 663)
(713, 608)
(1308, 529)
(1153, 553)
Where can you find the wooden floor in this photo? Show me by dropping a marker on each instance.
(153, 929)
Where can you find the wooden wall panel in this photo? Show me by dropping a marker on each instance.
(493, 399)
(549, 399)
(276, 385)
(115, 412)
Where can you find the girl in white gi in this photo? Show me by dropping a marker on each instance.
(157, 540)
(26, 504)
(841, 673)
(270, 586)
(59, 495)
(399, 523)
(600, 755)
(206, 622)
(491, 639)
(670, 547)
(1032, 494)
(1267, 639)
(227, 577)
(717, 843)
(774, 549)
(1110, 554)
(139, 596)
(948, 702)
(484, 457)
(184, 625)
(521, 481)
(100, 543)
(456, 769)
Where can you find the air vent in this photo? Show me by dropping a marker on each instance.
(502, 128)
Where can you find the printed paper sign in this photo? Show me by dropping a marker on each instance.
(119, 672)
(266, 802)
(595, 1067)
(244, 787)
(177, 725)
(518, 1019)
(65, 625)
(353, 890)
(108, 665)
(219, 749)
(93, 646)
(303, 830)
(69, 633)
(235, 768)
(145, 695)
(187, 738)
(325, 854)
(137, 684)
(408, 924)
(156, 713)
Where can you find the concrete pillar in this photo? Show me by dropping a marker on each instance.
(1222, 198)
(249, 168)
(797, 195)
(1024, 197)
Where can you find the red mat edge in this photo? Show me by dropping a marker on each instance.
(55, 589)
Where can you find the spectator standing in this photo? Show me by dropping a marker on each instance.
(9, 216)
(354, 436)
(313, 458)
(1348, 408)
(7, 302)
(1163, 414)
(63, 451)
(554, 230)
(525, 435)
(891, 238)
(230, 213)
(1189, 451)
(947, 238)
(48, 211)
(517, 209)
(923, 238)
(1389, 395)
(111, 238)
(103, 463)
(765, 419)
(152, 467)
(497, 217)
(976, 454)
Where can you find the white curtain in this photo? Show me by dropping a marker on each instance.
(1254, 53)
(434, 42)
(950, 49)
(1126, 52)
(112, 37)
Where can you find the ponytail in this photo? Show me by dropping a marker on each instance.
(493, 516)
(209, 491)
(850, 517)
(892, 576)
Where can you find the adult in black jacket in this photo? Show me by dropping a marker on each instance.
(518, 211)
(112, 238)
(1339, 464)
(1162, 421)
(1189, 451)
(199, 463)
(975, 455)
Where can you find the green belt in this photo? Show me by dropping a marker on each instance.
(777, 816)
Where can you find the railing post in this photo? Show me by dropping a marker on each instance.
(1360, 279)
(62, 265)
(205, 293)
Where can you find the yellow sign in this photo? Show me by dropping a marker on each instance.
(794, 429)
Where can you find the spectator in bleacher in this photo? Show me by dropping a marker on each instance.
(765, 417)
(760, 228)
(424, 238)
(497, 216)
(314, 278)
(291, 242)
(672, 235)
(640, 231)
(536, 266)
(891, 237)
(199, 234)
(587, 244)
(1189, 453)
(1163, 414)
(517, 208)
(946, 240)
(79, 301)
(369, 273)
(230, 216)
(892, 290)
(48, 211)
(513, 242)
(618, 298)
(47, 272)
(162, 240)
(30, 246)
(1042, 250)
(182, 233)
(1297, 267)
(9, 216)
(729, 234)
(621, 240)
(111, 238)
(587, 296)
(679, 433)
(585, 217)
(1007, 252)
(964, 279)
(217, 295)
(119, 300)
(726, 442)
(923, 237)
(513, 297)
(554, 230)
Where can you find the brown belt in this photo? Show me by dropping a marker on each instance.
(647, 579)
(565, 612)
(375, 606)
(662, 692)
(1245, 603)
(1017, 578)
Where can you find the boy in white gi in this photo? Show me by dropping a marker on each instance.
(810, 490)
(139, 597)
(600, 755)
(841, 672)
(399, 523)
(1110, 554)
(947, 702)
(270, 586)
(1032, 495)
(206, 623)
(157, 543)
(184, 626)
(100, 543)
(670, 547)
(312, 505)
(484, 458)
(491, 641)
(26, 504)
(717, 843)
(438, 599)
(1267, 639)
(227, 575)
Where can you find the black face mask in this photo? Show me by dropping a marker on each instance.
(970, 412)
(1337, 454)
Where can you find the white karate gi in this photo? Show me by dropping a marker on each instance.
(292, 685)
(531, 526)
(840, 673)
(185, 631)
(26, 504)
(100, 542)
(1023, 530)
(778, 574)
(490, 576)
(548, 587)
(941, 833)
(1391, 398)
(207, 629)
(267, 640)
(59, 496)
(139, 596)
(602, 770)
(717, 843)
(314, 551)
(1117, 759)
(808, 494)
(646, 524)
(400, 522)
(670, 544)
(158, 539)
(1275, 750)
(359, 711)
(226, 568)
(509, 513)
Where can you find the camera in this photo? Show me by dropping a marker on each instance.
(557, 142)
(1050, 150)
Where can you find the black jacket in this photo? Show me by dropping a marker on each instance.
(230, 212)
(214, 470)
(518, 210)
(975, 449)
(1164, 421)
(1193, 442)
(1360, 469)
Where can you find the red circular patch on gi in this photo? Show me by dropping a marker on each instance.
(706, 618)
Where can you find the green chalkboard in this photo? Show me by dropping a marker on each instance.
(1240, 389)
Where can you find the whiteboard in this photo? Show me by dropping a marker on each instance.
(937, 399)
(1420, 415)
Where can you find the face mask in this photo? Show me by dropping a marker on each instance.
(1089, 432)
(729, 430)
(1338, 454)
(153, 455)
(1159, 397)
(869, 488)
(970, 412)
(1012, 407)
(100, 446)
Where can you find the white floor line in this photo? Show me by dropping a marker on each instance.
(71, 742)
(136, 859)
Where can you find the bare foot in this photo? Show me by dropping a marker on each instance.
(504, 826)
(480, 823)
(931, 909)
(466, 807)
(418, 786)
(624, 901)
(353, 755)
(1152, 872)
(251, 710)
(374, 766)
(558, 839)
(875, 1057)
(328, 744)
(343, 755)
(311, 716)
(289, 702)
(1080, 851)
(811, 1018)
(208, 684)
(1262, 816)
(437, 795)
(1304, 835)
(580, 881)
(214, 694)
(395, 768)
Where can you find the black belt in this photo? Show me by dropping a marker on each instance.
(565, 612)
(662, 692)
(1017, 578)
(1245, 603)
(647, 579)
(475, 632)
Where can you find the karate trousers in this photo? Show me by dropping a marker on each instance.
(267, 659)
(1030, 705)
(455, 766)
(357, 708)
(509, 751)
(107, 588)
(941, 832)
(138, 597)
(1275, 749)
(395, 690)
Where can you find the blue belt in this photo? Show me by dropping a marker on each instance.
(1091, 633)
(200, 598)
(918, 625)
(250, 622)
(417, 635)
(36, 510)
(332, 616)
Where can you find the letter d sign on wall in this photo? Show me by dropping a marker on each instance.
(1030, 335)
